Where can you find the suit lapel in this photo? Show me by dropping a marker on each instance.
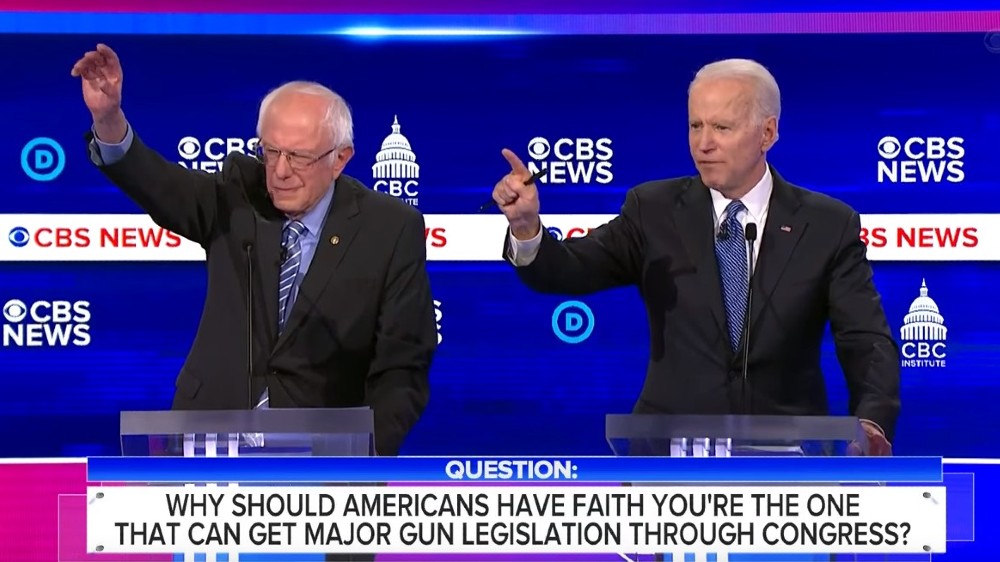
(269, 262)
(268, 244)
(339, 231)
(695, 221)
(781, 235)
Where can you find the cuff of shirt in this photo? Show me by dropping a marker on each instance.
(105, 153)
(523, 252)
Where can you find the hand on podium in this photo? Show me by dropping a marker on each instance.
(878, 445)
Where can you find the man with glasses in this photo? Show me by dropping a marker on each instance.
(342, 313)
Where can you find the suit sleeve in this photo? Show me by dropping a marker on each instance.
(610, 256)
(398, 386)
(868, 354)
(178, 199)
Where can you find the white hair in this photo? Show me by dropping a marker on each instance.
(337, 120)
(766, 95)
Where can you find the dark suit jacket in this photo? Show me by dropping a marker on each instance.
(361, 331)
(812, 269)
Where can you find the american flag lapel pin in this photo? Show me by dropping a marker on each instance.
(786, 228)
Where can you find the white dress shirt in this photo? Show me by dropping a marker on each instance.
(757, 201)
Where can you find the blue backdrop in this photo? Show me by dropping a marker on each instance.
(502, 382)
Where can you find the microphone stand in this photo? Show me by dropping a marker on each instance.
(750, 234)
(249, 248)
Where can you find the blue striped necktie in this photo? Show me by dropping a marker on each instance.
(731, 253)
(292, 250)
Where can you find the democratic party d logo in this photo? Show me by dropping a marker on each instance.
(42, 159)
(572, 322)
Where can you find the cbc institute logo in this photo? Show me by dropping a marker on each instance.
(396, 171)
(924, 333)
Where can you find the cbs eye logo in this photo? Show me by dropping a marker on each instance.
(539, 148)
(889, 147)
(189, 148)
(15, 310)
(19, 237)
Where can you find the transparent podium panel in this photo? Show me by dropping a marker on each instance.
(739, 436)
(271, 432)
(734, 435)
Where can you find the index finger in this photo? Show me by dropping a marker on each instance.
(516, 165)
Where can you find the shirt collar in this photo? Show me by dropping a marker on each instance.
(314, 219)
(756, 200)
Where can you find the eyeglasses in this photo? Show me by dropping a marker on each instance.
(270, 155)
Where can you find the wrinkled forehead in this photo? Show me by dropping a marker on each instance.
(720, 98)
(294, 125)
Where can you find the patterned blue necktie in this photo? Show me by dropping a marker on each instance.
(289, 269)
(292, 251)
(731, 253)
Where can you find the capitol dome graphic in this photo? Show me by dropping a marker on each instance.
(396, 159)
(924, 321)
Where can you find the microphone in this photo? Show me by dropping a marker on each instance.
(750, 234)
(243, 229)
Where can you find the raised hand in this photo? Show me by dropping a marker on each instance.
(101, 77)
(518, 202)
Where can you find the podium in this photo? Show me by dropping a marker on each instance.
(232, 433)
(247, 433)
(734, 435)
